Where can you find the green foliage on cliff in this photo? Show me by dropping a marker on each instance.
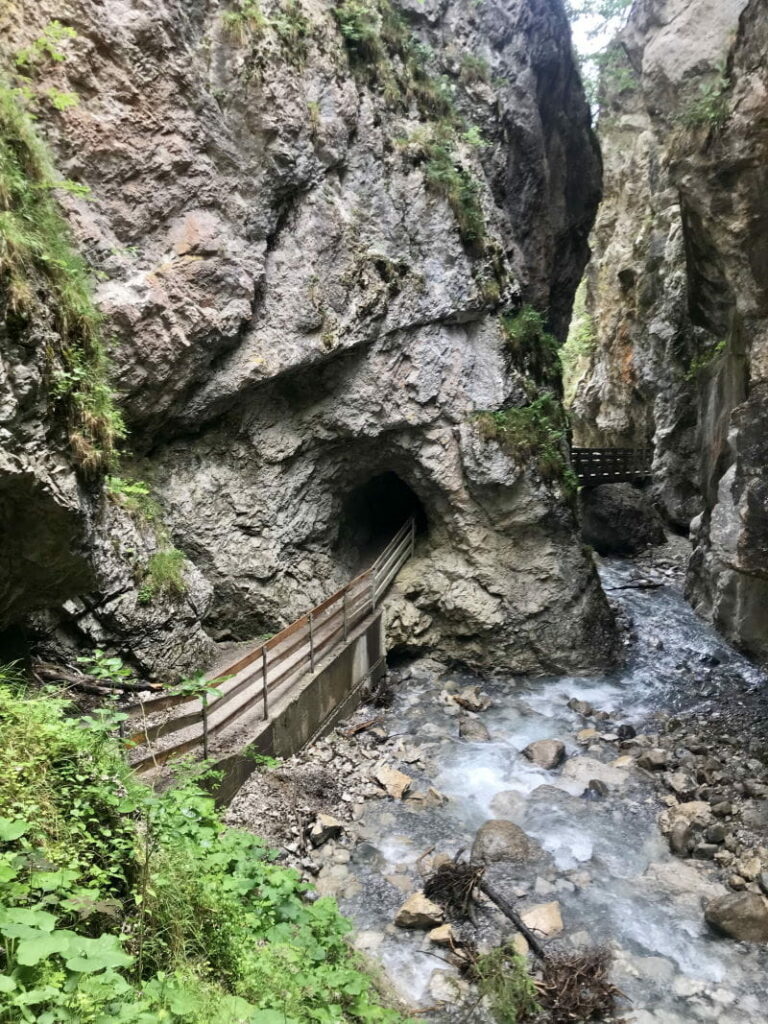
(121, 906)
(534, 349)
(385, 52)
(538, 432)
(40, 267)
(708, 106)
(579, 345)
(163, 576)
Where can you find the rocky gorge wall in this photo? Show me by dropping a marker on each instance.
(306, 223)
(678, 288)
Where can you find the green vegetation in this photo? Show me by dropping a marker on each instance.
(135, 497)
(289, 23)
(38, 257)
(533, 348)
(538, 431)
(163, 576)
(456, 184)
(473, 69)
(121, 906)
(704, 359)
(502, 976)
(708, 108)
(579, 345)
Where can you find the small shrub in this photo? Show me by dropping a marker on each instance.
(135, 497)
(704, 359)
(163, 576)
(533, 348)
(46, 46)
(535, 431)
(502, 976)
(473, 69)
(708, 108)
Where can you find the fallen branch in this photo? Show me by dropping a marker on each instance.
(90, 684)
(361, 727)
(508, 910)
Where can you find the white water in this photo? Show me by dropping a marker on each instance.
(615, 879)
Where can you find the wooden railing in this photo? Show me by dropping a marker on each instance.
(284, 658)
(611, 465)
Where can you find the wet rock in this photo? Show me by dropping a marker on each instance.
(395, 782)
(443, 935)
(418, 912)
(445, 987)
(755, 814)
(471, 699)
(474, 730)
(500, 840)
(545, 753)
(585, 736)
(597, 789)
(585, 769)
(693, 812)
(428, 798)
(681, 838)
(749, 867)
(544, 919)
(626, 732)
(740, 916)
(325, 827)
(705, 851)
(722, 809)
(681, 784)
(654, 760)
(581, 707)
(737, 883)
(715, 833)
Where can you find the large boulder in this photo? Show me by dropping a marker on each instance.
(500, 840)
(742, 916)
(619, 519)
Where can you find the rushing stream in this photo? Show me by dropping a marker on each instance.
(611, 871)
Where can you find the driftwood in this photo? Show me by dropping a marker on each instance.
(87, 683)
(508, 910)
(361, 727)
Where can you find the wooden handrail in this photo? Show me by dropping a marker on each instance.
(291, 652)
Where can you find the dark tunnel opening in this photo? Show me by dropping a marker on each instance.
(372, 514)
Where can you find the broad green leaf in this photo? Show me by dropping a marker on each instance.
(7, 983)
(32, 950)
(11, 829)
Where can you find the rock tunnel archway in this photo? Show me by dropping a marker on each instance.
(372, 513)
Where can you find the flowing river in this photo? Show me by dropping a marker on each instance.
(610, 870)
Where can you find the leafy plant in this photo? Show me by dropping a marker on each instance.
(473, 69)
(118, 904)
(704, 359)
(708, 108)
(502, 975)
(135, 497)
(163, 576)
(46, 46)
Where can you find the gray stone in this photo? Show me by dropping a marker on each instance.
(474, 730)
(500, 840)
(653, 760)
(419, 913)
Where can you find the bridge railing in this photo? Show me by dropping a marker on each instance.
(288, 655)
(611, 465)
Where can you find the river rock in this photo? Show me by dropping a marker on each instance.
(443, 935)
(474, 730)
(581, 707)
(544, 918)
(418, 912)
(693, 812)
(584, 769)
(741, 916)
(395, 782)
(681, 784)
(681, 838)
(654, 760)
(545, 753)
(585, 736)
(325, 827)
(501, 840)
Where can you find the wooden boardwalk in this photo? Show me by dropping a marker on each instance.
(595, 466)
(247, 687)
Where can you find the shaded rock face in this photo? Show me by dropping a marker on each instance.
(297, 314)
(619, 519)
(679, 289)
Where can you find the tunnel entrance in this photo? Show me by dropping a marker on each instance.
(372, 514)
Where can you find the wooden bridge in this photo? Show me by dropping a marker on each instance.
(595, 466)
(252, 689)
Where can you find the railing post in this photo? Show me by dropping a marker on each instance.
(311, 643)
(264, 679)
(344, 602)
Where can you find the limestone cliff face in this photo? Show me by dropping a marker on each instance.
(679, 287)
(304, 274)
